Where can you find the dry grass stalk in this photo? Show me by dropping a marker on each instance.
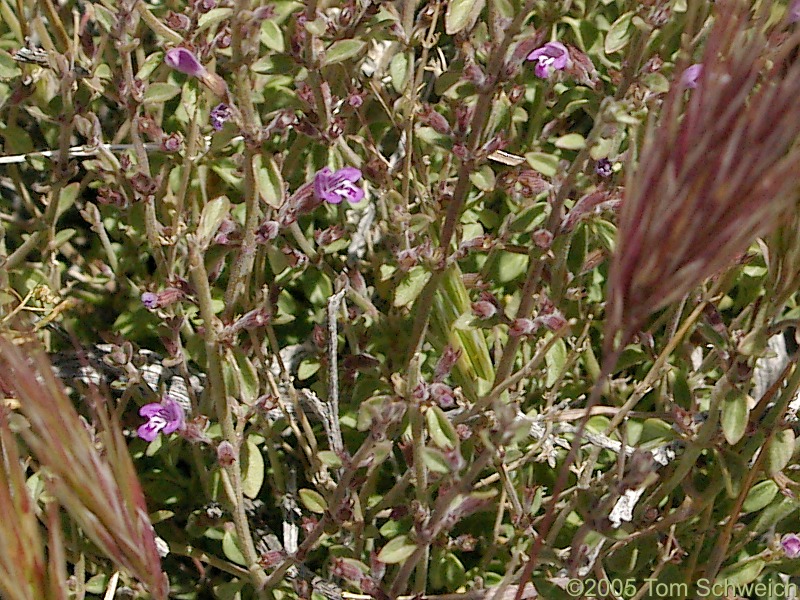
(716, 172)
(23, 575)
(99, 488)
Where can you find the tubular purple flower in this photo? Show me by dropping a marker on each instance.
(184, 61)
(690, 77)
(162, 417)
(335, 187)
(551, 57)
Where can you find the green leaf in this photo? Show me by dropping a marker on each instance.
(161, 92)
(397, 550)
(105, 17)
(67, 198)
(343, 50)
(269, 181)
(759, 496)
(246, 376)
(61, 238)
(149, 65)
(555, 359)
(214, 212)
(546, 164)
(313, 501)
(330, 459)
(781, 450)
(8, 68)
(454, 573)
(307, 368)
(735, 413)
(252, 469)
(441, 429)
(231, 548)
(483, 178)
(741, 573)
(213, 17)
(435, 461)
(656, 83)
(316, 27)
(272, 36)
(398, 71)
(411, 286)
(460, 14)
(619, 35)
(571, 141)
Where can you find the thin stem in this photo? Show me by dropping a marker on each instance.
(479, 121)
(609, 361)
(224, 411)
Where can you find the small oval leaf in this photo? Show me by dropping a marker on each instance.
(398, 71)
(343, 50)
(571, 141)
(619, 35)
(435, 461)
(214, 212)
(213, 17)
(272, 36)
(546, 164)
(460, 14)
(411, 286)
(441, 429)
(160, 92)
(397, 550)
(734, 416)
(781, 451)
(313, 501)
(759, 496)
(252, 469)
(231, 549)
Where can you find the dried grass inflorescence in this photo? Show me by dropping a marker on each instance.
(716, 172)
(99, 488)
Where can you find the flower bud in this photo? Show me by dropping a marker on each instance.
(226, 454)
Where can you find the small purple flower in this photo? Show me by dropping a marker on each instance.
(690, 77)
(551, 57)
(184, 61)
(603, 168)
(794, 11)
(791, 545)
(443, 395)
(220, 114)
(335, 187)
(150, 300)
(165, 417)
(483, 309)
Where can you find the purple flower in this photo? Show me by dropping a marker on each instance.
(791, 545)
(150, 300)
(165, 417)
(335, 187)
(184, 61)
(604, 168)
(794, 11)
(551, 57)
(690, 76)
(219, 115)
